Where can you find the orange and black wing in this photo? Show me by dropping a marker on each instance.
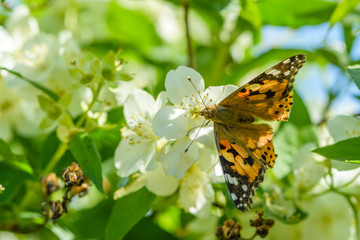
(269, 95)
(245, 154)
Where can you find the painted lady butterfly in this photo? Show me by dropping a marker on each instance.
(246, 149)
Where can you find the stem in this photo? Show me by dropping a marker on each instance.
(253, 236)
(355, 213)
(191, 57)
(96, 94)
(45, 90)
(54, 160)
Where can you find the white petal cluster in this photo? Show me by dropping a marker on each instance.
(164, 145)
(41, 57)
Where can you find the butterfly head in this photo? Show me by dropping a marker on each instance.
(208, 112)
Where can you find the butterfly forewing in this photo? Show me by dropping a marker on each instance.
(269, 95)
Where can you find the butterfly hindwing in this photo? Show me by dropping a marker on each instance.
(244, 156)
(269, 95)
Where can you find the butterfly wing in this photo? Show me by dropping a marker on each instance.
(269, 95)
(245, 154)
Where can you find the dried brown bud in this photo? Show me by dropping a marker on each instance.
(230, 230)
(262, 225)
(81, 190)
(73, 176)
(49, 184)
(52, 209)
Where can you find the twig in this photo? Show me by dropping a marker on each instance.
(191, 57)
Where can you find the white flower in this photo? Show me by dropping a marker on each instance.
(329, 218)
(196, 193)
(329, 213)
(158, 182)
(204, 228)
(1, 188)
(307, 170)
(155, 181)
(40, 57)
(181, 121)
(138, 147)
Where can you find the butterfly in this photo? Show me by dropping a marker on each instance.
(246, 149)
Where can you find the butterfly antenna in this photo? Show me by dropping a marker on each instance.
(195, 136)
(198, 92)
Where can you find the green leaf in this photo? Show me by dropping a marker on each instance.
(106, 141)
(343, 150)
(295, 13)
(354, 72)
(210, 11)
(354, 161)
(250, 12)
(131, 27)
(11, 159)
(299, 114)
(127, 211)
(10, 179)
(146, 229)
(86, 154)
(5, 150)
(342, 9)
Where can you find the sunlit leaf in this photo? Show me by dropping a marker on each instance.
(86, 154)
(127, 211)
(342, 9)
(250, 12)
(343, 150)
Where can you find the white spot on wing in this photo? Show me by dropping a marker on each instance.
(231, 180)
(286, 61)
(244, 187)
(287, 73)
(233, 196)
(273, 72)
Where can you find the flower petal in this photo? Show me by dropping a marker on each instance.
(161, 100)
(139, 106)
(214, 95)
(132, 153)
(170, 123)
(307, 171)
(343, 127)
(205, 136)
(196, 192)
(160, 183)
(176, 162)
(178, 86)
(134, 186)
(207, 159)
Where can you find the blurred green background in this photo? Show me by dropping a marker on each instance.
(232, 42)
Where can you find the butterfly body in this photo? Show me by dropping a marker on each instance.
(226, 115)
(246, 149)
